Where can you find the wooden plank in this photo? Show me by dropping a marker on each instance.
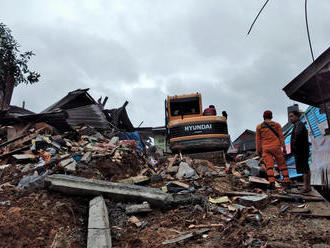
(290, 197)
(321, 215)
(13, 140)
(186, 236)
(253, 179)
(300, 211)
(205, 226)
(14, 151)
(26, 137)
(173, 160)
(239, 193)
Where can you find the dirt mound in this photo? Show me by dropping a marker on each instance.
(34, 219)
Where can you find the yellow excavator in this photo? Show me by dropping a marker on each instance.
(190, 130)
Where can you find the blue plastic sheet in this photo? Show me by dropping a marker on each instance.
(134, 136)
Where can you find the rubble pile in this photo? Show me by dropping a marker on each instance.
(50, 187)
(32, 216)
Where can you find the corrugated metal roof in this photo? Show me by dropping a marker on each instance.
(91, 115)
(18, 111)
(73, 99)
(312, 86)
(119, 118)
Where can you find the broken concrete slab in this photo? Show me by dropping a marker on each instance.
(254, 167)
(98, 224)
(71, 167)
(98, 238)
(116, 191)
(65, 162)
(98, 214)
(185, 171)
(138, 208)
(69, 164)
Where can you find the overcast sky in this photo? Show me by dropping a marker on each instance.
(144, 50)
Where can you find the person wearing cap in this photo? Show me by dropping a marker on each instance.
(270, 144)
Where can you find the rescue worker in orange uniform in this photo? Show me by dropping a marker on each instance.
(270, 142)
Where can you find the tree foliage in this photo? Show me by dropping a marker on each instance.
(13, 63)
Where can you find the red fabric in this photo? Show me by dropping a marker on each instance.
(268, 114)
(210, 111)
(269, 155)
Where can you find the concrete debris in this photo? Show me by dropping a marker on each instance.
(99, 234)
(254, 167)
(134, 220)
(116, 191)
(179, 193)
(138, 208)
(258, 180)
(185, 171)
(33, 181)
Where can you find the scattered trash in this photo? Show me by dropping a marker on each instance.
(5, 203)
(186, 236)
(254, 167)
(255, 201)
(134, 220)
(32, 181)
(284, 208)
(219, 200)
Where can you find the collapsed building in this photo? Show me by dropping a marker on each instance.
(75, 109)
(246, 142)
(75, 175)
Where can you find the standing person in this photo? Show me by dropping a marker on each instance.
(300, 148)
(224, 114)
(210, 111)
(269, 141)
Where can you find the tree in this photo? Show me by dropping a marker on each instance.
(13, 67)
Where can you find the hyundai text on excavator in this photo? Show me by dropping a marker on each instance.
(188, 130)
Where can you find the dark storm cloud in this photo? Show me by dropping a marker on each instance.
(143, 51)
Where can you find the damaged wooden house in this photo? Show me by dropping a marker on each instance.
(77, 108)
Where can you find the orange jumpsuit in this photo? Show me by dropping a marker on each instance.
(270, 146)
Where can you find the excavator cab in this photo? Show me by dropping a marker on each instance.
(189, 130)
